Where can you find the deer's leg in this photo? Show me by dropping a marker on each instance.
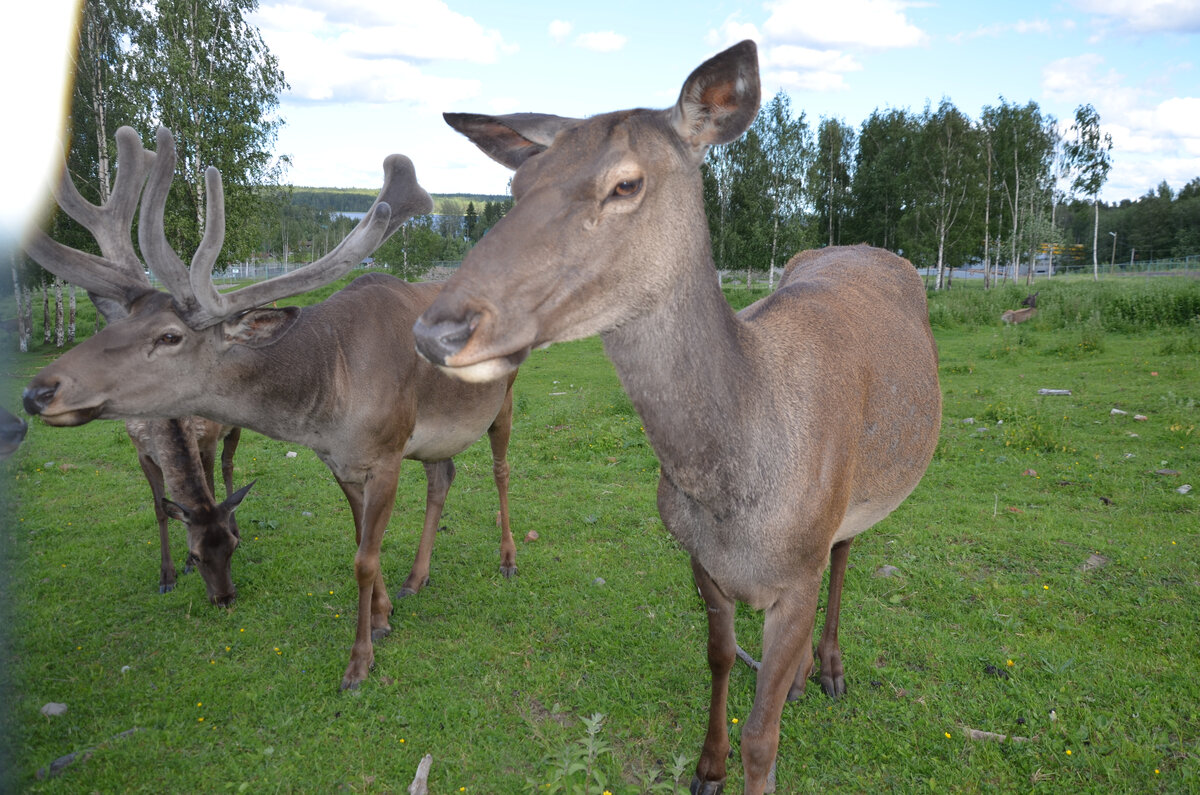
(498, 436)
(710, 770)
(228, 448)
(438, 477)
(829, 654)
(166, 568)
(374, 604)
(787, 650)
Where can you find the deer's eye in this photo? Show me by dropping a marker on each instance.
(627, 188)
(169, 338)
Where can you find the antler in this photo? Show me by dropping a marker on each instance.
(117, 274)
(194, 292)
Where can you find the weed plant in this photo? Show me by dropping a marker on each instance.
(1043, 586)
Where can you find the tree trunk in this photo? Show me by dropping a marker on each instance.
(71, 317)
(1095, 239)
(59, 331)
(22, 328)
(47, 328)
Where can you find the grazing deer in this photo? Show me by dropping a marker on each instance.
(12, 431)
(783, 431)
(178, 456)
(341, 377)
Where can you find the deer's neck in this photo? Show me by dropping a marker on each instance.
(689, 368)
(179, 458)
(293, 390)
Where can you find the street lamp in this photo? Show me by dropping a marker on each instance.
(1112, 261)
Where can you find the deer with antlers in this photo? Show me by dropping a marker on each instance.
(783, 431)
(341, 376)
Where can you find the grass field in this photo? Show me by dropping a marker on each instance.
(1047, 587)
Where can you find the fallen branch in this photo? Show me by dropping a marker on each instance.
(977, 734)
(420, 782)
(745, 657)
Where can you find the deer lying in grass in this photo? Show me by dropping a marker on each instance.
(341, 377)
(783, 431)
(1014, 316)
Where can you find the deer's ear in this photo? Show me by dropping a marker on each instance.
(719, 100)
(176, 511)
(258, 327)
(510, 140)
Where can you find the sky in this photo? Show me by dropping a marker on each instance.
(367, 79)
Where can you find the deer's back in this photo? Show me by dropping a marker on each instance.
(846, 339)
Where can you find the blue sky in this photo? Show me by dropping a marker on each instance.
(368, 80)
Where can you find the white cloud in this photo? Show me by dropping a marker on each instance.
(1022, 27)
(1153, 139)
(363, 51)
(865, 24)
(559, 30)
(1146, 16)
(732, 31)
(601, 41)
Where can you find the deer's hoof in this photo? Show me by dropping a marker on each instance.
(834, 686)
(508, 571)
(166, 587)
(706, 787)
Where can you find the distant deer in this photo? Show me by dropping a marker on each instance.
(1014, 316)
(341, 377)
(783, 431)
(12, 431)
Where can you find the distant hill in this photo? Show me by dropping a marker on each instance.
(359, 200)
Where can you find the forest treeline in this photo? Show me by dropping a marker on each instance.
(1004, 190)
(1007, 190)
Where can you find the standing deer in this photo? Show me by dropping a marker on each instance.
(341, 377)
(783, 431)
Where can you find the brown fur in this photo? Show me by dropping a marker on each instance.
(783, 431)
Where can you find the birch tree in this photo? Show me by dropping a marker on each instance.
(1088, 154)
(948, 154)
(787, 147)
(208, 75)
(829, 176)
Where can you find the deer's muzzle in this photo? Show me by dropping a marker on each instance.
(38, 399)
(439, 341)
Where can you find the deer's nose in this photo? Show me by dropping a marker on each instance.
(37, 398)
(441, 340)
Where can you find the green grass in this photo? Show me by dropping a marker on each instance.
(991, 624)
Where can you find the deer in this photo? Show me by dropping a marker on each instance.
(783, 431)
(178, 456)
(1013, 316)
(340, 376)
(12, 432)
